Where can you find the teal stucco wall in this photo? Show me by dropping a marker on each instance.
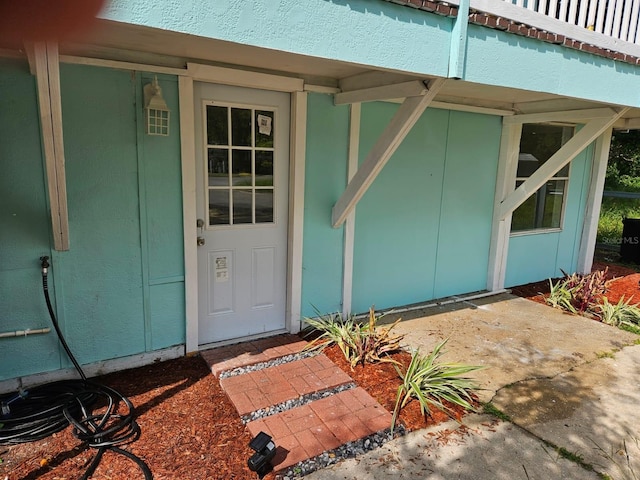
(119, 290)
(538, 256)
(391, 37)
(423, 228)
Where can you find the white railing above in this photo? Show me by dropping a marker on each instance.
(608, 24)
(614, 18)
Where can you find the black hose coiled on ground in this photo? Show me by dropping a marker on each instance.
(101, 417)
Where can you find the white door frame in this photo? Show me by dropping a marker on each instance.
(297, 134)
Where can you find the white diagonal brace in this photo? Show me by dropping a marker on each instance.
(592, 130)
(390, 139)
(413, 88)
(47, 70)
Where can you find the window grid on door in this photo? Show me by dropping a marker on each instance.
(239, 166)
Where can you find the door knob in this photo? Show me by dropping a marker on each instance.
(200, 241)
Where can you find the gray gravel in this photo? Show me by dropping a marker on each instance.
(271, 363)
(295, 402)
(348, 450)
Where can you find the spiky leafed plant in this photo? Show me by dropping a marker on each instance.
(359, 342)
(432, 383)
(619, 314)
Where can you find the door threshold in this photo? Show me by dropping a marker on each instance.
(248, 338)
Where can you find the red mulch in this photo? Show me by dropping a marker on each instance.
(190, 430)
(381, 381)
(624, 282)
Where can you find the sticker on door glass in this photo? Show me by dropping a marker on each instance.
(264, 124)
(222, 269)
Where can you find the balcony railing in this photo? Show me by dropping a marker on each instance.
(614, 18)
(607, 24)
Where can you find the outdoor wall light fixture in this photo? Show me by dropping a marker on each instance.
(265, 450)
(156, 109)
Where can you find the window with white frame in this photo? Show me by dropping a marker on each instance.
(544, 209)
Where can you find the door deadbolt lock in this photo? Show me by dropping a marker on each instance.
(200, 241)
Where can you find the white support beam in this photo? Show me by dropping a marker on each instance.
(188, 161)
(47, 69)
(574, 116)
(594, 202)
(297, 161)
(592, 130)
(350, 223)
(390, 139)
(414, 88)
(505, 185)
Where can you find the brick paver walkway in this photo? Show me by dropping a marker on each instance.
(306, 431)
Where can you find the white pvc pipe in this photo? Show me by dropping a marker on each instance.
(24, 333)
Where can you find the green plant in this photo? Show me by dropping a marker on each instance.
(359, 342)
(618, 314)
(578, 293)
(559, 296)
(491, 409)
(432, 383)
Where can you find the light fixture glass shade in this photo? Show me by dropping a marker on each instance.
(157, 111)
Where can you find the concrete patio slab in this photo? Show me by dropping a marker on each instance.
(513, 337)
(547, 370)
(486, 449)
(589, 411)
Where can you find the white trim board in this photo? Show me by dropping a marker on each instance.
(349, 226)
(594, 202)
(244, 78)
(93, 369)
(505, 185)
(188, 160)
(297, 160)
(47, 70)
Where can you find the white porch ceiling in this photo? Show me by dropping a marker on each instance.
(136, 44)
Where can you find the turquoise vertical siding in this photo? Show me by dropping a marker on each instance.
(326, 172)
(534, 257)
(397, 219)
(119, 290)
(24, 226)
(423, 227)
(473, 145)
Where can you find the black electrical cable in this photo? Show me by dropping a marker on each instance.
(101, 417)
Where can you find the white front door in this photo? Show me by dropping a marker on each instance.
(242, 161)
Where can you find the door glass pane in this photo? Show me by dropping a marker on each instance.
(264, 205)
(242, 206)
(217, 125)
(264, 169)
(241, 168)
(241, 127)
(219, 207)
(264, 129)
(218, 167)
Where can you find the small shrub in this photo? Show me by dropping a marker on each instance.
(560, 296)
(618, 314)
(431, 383)
(578, 293)
(359, 343)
